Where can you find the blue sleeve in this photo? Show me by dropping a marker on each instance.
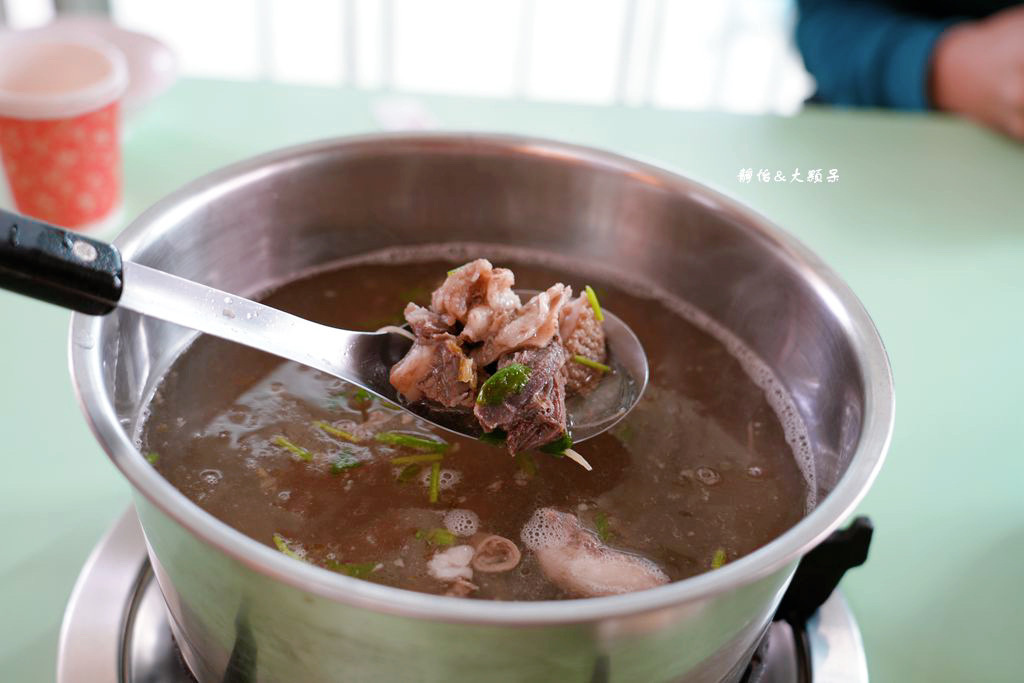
(865, 53)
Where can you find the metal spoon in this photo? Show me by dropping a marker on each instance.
(86, 275)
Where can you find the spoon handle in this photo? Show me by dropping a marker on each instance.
(58, 266)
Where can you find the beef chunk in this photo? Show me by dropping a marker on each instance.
(534, 325)
(435, 367)
(477, 295)
(582, 335)
(535, 415)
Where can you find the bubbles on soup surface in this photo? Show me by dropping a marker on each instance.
(446, 480)
(462, 522)
(544, 530)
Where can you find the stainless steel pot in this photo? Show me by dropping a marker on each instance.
(239, 607)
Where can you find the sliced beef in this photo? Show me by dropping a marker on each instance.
(534, 325)
(582, 335)
(535, 415)
(477, 295)
(435, 368)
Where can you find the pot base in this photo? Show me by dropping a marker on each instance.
(115, 627)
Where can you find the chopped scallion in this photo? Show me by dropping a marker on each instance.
(583, 360)
(409, 473)
(435, 481)
(334, 431)
(526, 464)
(718, 559)
(152, 457)
(409, 459)
(558, 446)
(416, 443)
(495, 438)
(601, 526)
(436, 536)
(357, 570)
(511, 379)
(282, 545)
(362, 398)
(594, 304)
(301, 452)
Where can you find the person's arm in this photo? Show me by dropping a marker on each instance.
(978, 71)
(866, 53)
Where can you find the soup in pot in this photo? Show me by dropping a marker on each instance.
(710, 465)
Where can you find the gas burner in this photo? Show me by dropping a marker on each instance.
(116, 630)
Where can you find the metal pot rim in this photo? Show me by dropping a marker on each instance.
(86, 366)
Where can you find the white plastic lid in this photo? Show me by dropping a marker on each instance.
(58, 79)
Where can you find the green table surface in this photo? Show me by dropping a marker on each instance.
(926, 224)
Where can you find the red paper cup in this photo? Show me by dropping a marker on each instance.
(59, 128)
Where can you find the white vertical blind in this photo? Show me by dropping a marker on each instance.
(731, 55)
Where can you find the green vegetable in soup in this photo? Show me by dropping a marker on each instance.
(299, 451)
(409, 473)
(410, 459)
(495, 438)
(583, 360)
(601, 526)
(436, 536)
(526, 464)
(558, 446)
(718, 559)
(594, 304)
(282, 545)
(334, 431)
(416, 443)
(435, 481)
(152, 457)
(357, 570)
(510, 379)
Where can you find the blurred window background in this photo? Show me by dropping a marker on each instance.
(724, 55)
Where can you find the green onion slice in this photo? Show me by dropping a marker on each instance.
(152, 457)
(511, 379)
(601, 525)
(282, 545)
(436, 536)
(301, 452)
(357, 570)
(334, 431)
(558, 446)
(583, 360)
(495, 438)
(526, 464)
(592, 298)
(416, 443)
(435, 481)
(718, 559)
(409, 473)
(410, 459)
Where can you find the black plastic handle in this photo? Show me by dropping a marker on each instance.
(821, 569)
(61, 267)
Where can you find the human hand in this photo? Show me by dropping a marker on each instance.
(978, 71)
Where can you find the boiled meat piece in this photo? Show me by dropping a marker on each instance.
(535, 415)
(577, 562)
(435, 367)
(582, 335)
(534, 325)
(477, 295)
